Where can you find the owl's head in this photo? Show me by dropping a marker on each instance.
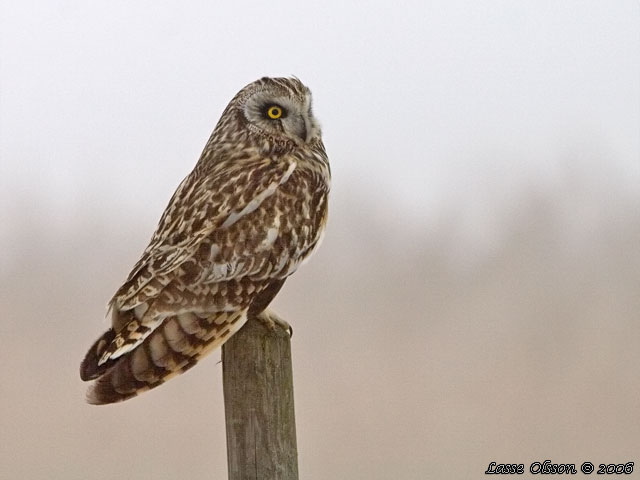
(278, 109)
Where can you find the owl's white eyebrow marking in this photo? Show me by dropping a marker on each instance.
(258, 199)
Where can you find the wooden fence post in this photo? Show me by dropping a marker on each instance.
(258, 402)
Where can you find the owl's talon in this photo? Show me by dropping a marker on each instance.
(271, 320)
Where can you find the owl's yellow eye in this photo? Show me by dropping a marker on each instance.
(274, 112)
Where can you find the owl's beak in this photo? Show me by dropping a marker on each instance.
(307, 129)
(303, 128)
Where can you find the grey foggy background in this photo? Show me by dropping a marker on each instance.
(477, 295)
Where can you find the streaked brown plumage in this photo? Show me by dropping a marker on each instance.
(239, 224)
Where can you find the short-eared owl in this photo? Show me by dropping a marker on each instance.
(251, 211)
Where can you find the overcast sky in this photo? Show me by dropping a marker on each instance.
(107, 105)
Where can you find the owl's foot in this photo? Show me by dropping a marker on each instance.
(272, 321)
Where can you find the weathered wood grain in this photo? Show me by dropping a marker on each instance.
(259, 410)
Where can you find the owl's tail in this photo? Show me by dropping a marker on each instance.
(172, 348)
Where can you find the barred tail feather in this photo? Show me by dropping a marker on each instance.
(172, 348)
(89, 368)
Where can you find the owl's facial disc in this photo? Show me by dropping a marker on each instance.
(282, 116)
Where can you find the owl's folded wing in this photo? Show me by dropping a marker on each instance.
(201, 206)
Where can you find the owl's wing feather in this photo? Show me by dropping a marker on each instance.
(167, 263)
(201, 206)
